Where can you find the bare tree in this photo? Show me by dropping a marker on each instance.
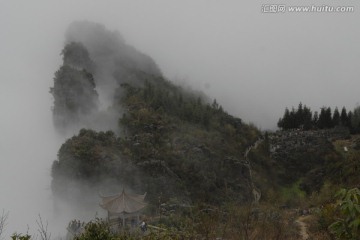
(3, 218)
(43, 229)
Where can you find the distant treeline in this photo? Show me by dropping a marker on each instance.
(303, 118)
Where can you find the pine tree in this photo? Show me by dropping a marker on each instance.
(355, 120)
(321, 123)
(283, 123)
(292, 119)
(344, 117)
(307, 118)
(349, 122)
(328, 118)
(315, 119)
(336, 117)
(286, 119)
(299, 116)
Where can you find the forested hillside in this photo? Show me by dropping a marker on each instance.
(186, 151)
(168, 142)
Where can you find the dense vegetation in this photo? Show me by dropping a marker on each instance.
(163, 152)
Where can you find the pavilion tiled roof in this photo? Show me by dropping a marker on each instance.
(123, 203)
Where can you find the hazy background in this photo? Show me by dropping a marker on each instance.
(254, 64)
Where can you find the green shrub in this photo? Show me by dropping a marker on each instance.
(348, 225)
(97, 230)
(292, 195)
(16, 236)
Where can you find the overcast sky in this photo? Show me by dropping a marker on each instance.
(255, 64)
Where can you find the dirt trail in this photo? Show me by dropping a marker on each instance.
(303, 227)
(256, 192)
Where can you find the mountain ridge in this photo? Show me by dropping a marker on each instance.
(165, 132)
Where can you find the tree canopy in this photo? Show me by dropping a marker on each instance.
(303, 118)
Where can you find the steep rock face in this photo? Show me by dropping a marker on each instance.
(77, 56)
(74, 95)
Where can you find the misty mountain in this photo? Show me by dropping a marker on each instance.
(253, 70)
(95, 62)
(115, 60)
(169, 141)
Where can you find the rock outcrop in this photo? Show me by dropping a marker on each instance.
(303, 155)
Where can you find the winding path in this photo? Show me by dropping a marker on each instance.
(256, 192)
(303, 227)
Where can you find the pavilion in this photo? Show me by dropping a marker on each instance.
(123, 206)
